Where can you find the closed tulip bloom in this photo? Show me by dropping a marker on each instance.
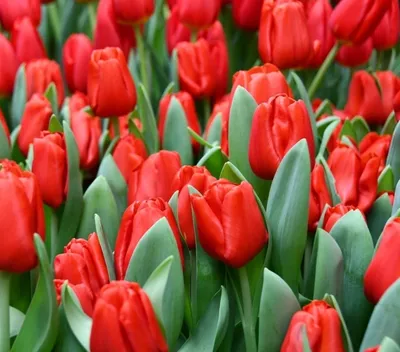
(8, 67)
(277, 126)
(171, 4)
(36, 118)
(195, 68)
(111, 90)
(176, 32)
(333, 214)
(11, 11)
(154, 177)
(396, 105)
(124, 320)
(355, 55)
(3, 124)
(286, 46)
(26, 40)
(375, 144)
(50, 167)
(247, 13)
(77, 101)
(356, 180)
(199, 178)
(39, 75)
(187, 102)
(386, 34)
(129, 154)
(322, 326)
(76, 56)
(384, 268)
(136, 221)
(355, 20)
(82, 264)
(197, 14)
(133, 13)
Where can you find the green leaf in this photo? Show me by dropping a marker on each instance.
(176, 136)
(393, 158)
(215, 130)
(324, 108)
(306, 344)
(352, 235)
(55, 125)
(323, 124)
(360, 128)
(327, 135)
(5, 147)
(287, 214)
(174, 70)
(388, 345)
(385, 319)
(278, 304)
(69, 23)
(105, 247)
(386, 180)
(378, 216)
(16, 321)
(199, 139)
(98, 199)
(40, 327)
(213, 160)
(347, 130)
(19, 97)
(390, 125)
(16, 153)
(51, 95)
(66, 340)
(29, 158)
(330, 181)
(396, 203)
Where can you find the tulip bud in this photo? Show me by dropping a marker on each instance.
(199, 178)
(109, 65)
(375, 144)
(8, 67)
(247, 13)
(351, 24)
(11, 11)
(230, 224)
(22, 216)
(189, 108)
(333, 214)
(124, 320)
(277, 126)
(197, 14)
(136, 221)
(386, 34)
(129, 154)
(3, 123)
(77, 101)
(154, 177)
(39, 75)
(50, 167)
(322, 326)
(36, 118)
(133, 13)
(82, 264)
(76, 56)
(353, 55)
(176, 32)
(286, 46)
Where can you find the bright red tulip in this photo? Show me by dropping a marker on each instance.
(11, 11)
(197, 14)
(386, 34)
(77, 102)
(82, 264)
(76, 56)
(277, 126)
(8, 67)
(355, 55)
(50, 167)
(375, 144)
(3, 124)
(247, 13)
(124, 320)
(176, 32)
(133, 13)
(322, 326)
(36, 118)
(21, 215)
(230, 224)
(333, 214)
(110, 100)
(154, 177)
(136, 221)
(171, 4)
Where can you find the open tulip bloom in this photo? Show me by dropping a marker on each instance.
(191, 175)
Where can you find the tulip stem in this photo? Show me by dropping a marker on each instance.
(53, 233)
(92, 17)
(207, 110)
(115, 124)
(5, 281)
(142, 58)
(247, 318)
(322, 70)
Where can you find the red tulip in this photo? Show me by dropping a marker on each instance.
(186, 100)
(277, 126)
(322, 326)
(372, 349)
(230, 224)
(375, 144)
(77, 102)
(154, 177)
(21, 216)
(8, 67)
(176, 32)
(396, 105)
(36, 118)
(40, 73)
(123, 122)
(12, 10)
(110, 100)
(197, 14)
(355, 55)
(356, 181)
(3, 124)
(171, 4)
(384, 268)
(195, 68)
(133, 13)
(136, 221)
(82, 264)
(124, 320)
(355, 20)
(199, 178)
(76, 56)
(26, 40)
(333, 214)
(129, 154)
(50, 167)
(283, 38)
(386, 34)
(247, 13)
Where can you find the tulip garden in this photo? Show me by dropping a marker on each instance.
(199, 175)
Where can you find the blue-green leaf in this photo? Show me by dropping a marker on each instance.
(19, 97)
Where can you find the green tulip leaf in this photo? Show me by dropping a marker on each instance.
(386, 180)
(330, 181)
(396, 203)
(213, 160)
(388, 345)
(55, 125)
(348, 131)
(105, 247)
(51, 95)
(173, 203)
(360, 128)
(390, 124)
(199, 139)
(16, 153)
(324, 108)
(16, 321)
(323, 124)
(215, 130)
(393, 158)
(66, 340)
(378, 216)
(327, 135)
(69, 24)
(306, 343)
(174, 75)
(5, 147)
(19, 97)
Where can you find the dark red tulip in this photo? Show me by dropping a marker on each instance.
(197, 14)
(11, 11)
(133, 13)
(199, 178)
(247, 13)
(36, 118)
(375, 144)
(386, 34)
(50, 167)
(396, 105)
(124, 315)
(136, 221)
(3, 124)
(333, 214)
(8, 67)
(76, 56)
(110, 100)
(82, 264)
(154, 177)
(171, 4)
(277, 126)
(176, 32)
(353, 55)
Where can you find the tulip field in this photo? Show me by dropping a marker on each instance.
(199, 175)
